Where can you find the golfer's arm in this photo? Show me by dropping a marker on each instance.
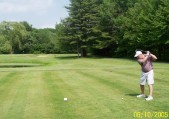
(146, 57)
(153, 57)
(141, 61)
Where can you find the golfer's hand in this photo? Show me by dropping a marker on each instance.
(148, 53)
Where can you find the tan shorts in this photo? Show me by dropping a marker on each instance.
(147, 77)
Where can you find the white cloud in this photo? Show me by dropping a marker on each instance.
(11, 6)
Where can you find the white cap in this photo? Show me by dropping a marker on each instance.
(137, 53)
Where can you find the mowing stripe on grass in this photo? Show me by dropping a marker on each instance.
(112, 82)
(6, 78)
(18, 105)
(37, 103)
(58, 90)
(7, 82)
(121, 75)
(8, 93)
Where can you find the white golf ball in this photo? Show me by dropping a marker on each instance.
(122, 98)
(65, 99)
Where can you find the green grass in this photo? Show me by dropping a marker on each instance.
(33, 87)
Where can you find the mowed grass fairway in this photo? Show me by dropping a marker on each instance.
(34, 86)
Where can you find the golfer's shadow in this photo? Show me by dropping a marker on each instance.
(133, 95)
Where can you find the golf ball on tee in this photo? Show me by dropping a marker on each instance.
(122, 98)
(65, 99)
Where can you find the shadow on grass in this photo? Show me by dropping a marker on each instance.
(76, 57)
(72, 57)
(67, 57)
(19, 66)
(133, 95)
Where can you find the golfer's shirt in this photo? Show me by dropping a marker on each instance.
(147, 65)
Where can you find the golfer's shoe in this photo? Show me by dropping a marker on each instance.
(141, 96)
(149, 98)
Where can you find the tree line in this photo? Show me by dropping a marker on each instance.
(99, 27)
(117, 27)
(21, 38)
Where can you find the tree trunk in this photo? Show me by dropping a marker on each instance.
(78, 51)
(83, 52)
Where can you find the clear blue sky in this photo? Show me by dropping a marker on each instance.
(39, 13)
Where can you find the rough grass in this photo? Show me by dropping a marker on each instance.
(94, 88)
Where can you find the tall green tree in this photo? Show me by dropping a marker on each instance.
(43, 41)
(161, 29)
(110, 26)
(82, 22)
(146, 26)
(13, 32)
(5, 46)
(63, 38)
(105, 43)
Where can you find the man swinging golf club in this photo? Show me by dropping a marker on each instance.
(147, 73)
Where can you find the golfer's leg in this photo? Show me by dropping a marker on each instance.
(150, 82)
(142, 89)
(142, 82)
(150, 90)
